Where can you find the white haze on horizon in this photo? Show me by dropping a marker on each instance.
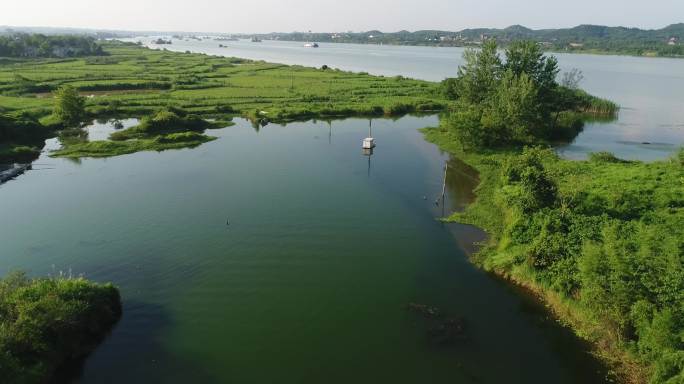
(257, 16)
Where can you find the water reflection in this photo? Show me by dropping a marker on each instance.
(101, 129)
(461, 182)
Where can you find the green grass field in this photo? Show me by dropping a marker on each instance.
(139, 80)
(133, 81)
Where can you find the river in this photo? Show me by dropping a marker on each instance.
(287, 255)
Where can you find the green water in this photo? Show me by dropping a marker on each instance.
(282, 256)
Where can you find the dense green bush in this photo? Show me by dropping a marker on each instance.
(37, 45)
(517, 101)
(69, 106)
(45, 323)
(168, 120)
(609, 234)
(20, 128)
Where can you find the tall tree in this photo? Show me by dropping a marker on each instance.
(527, 57)
(69, 105)
(479, 76)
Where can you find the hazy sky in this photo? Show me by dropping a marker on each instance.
(335, 15)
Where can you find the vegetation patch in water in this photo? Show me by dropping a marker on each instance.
(116, 148)
(49, 322)
(167, 129)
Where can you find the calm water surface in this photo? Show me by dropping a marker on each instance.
(282, 256)
(649, 90)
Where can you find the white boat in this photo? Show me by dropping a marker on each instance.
(311, 45)
(368, 143)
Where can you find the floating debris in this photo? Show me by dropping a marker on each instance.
(425, 310)
(449, 332)
(442, 331)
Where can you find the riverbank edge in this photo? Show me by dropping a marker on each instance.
(606, 346)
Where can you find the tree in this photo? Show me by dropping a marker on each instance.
(69, 105)
(527, 57)
(513, 110)
(572, 79)
(528, 174)
(480, 74)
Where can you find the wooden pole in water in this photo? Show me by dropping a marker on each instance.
(446, 168)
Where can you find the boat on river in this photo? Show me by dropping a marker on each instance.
(369, 142)
(311, 45)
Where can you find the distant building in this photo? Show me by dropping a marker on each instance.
(576, 45)
(673, 41)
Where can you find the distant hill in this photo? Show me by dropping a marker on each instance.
(668, 41)
(583, 38)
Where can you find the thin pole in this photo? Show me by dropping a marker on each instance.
(446, 168)
(369, 165)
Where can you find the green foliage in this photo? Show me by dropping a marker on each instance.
(583, 38)
(134, 81)
(117, 148)
(479, 76)
(45, 323)
(69, 106)
(517, 101)
(606, 235)
(526, 176)
(163, 122)
(605, 157)
(20, 135)
(527, 57)
(37, 45)
(19, 128)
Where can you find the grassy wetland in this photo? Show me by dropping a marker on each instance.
(133, 81)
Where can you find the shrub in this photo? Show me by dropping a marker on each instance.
(605, 157)
(48, 322)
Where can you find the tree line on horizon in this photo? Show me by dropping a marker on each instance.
(623, 40)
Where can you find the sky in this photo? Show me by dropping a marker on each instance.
(253, 16)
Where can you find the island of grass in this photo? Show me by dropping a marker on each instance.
(601, 241)
(48, 324)
(170, 128)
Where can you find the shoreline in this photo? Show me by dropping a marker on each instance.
(620, 366)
